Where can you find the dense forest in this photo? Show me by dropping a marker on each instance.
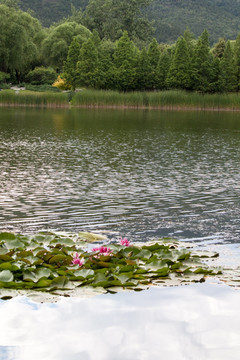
(171, 17)
(111, 47)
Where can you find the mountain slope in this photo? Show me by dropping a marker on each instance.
(219, 17)
(49, 11)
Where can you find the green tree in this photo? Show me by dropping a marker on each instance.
(18, 46)
(179, 76)
(237, 60)
(11, 3)
(125, 50)
(111, 17)
(227, 78)
(203, 64)
(219, 48)
(55, 46)
(105, 70)
(70, 66)
(126, 77)
(87, 64)
(154, 56)
(144, 71)
(98, 16)
(163, 69)
(41, 75)
(124, 60)
(190, 41)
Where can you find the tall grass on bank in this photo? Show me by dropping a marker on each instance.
(106, 98)
(101, 98)
(157, 99)
(32, 98)
(183, 99)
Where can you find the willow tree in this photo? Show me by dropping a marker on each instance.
(18, 41)
(56, 45)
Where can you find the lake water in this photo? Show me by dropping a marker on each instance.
(137, 174)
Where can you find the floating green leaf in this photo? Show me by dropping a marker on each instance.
(60, 282)
(7, 236)
(44, 262)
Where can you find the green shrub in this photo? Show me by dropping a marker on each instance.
(41, 75)
(4, 76)
(4, 86)
(41, 88)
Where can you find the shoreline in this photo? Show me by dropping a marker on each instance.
(122, 107)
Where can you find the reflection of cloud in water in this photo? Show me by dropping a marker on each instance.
(193, 322)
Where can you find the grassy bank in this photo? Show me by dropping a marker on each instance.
(32, 98)
(162, 99)
(113, 99)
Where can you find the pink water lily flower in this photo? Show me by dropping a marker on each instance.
(125, 242)
(103, 250)
(77, 260)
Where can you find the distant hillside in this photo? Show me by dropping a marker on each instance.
(49, 11)
(220, 17)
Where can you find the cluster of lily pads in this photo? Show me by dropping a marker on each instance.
(52, 262)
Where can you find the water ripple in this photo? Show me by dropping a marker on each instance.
(134, 176)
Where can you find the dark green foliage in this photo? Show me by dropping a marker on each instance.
(203, 65)
(3, 76)
(41, 88)
(56, 45)
(124, 63)
(41, 75)
(144, 71)
(51, 11)
(125, 51)
(18, 44)
(237, 60)
(163, 69)
(220, 17)
(219, 48)
(228, 70)
(153, 56)
(179, 75)
(87, 64)
(111, 17)
(70, 66)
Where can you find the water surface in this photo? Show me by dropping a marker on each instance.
(140, 174)
(184, 323)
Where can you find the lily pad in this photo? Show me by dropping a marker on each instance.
(6, 276)
(62, 264)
